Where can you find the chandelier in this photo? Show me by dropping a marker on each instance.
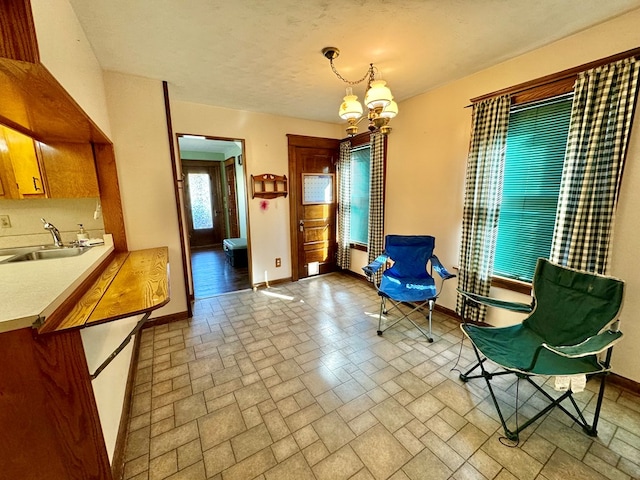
(378, 99)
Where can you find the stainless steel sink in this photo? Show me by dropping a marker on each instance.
(20, 250)
(45, 253)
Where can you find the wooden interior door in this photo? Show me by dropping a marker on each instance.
(312, 167)
(203, 200)
(232, 197)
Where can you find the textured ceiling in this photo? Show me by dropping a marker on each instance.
(207, 145)
(264, 56)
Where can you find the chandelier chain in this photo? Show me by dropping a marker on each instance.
(368, 75)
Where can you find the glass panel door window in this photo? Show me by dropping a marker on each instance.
(200, 197)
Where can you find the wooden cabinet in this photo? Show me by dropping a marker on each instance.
(31, 169)
(69, 170)
(21, 169)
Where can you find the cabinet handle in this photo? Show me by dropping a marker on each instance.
(35, 185)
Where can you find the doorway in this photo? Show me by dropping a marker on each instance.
(312, 171)
(215, 205)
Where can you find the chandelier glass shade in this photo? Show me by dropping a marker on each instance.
(378, 99)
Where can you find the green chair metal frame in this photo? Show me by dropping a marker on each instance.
(572, 324)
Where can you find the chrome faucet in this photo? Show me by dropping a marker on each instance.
(55, 233)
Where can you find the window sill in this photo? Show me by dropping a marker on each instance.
(513, 285)
(359, 246)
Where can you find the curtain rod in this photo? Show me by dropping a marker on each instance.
(556, 77)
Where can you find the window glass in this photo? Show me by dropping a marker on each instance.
(200, 197)
(536, 143)
(360, 181)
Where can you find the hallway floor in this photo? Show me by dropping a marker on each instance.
(292, 382)
(213, 275)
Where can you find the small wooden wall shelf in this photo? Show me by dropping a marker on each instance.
(268, 185)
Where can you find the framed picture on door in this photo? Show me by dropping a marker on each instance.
(317, 188)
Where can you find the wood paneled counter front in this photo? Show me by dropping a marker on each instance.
(49, 422)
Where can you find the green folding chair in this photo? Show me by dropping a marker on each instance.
(570, 330)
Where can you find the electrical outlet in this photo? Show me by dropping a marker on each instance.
(5, 221)
(278, 262)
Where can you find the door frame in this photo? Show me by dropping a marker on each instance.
(184, 234)
(295, 142)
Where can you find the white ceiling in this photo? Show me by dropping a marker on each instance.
(197, 143)
(264, 55)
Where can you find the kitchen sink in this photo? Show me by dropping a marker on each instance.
(44, 253)
(19, 250)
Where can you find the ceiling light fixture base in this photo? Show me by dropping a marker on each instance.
(331, 53)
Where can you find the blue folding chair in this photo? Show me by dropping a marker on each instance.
(409, 279)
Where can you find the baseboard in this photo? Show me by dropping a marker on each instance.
(624, 383)
(117, 463)
(272, 283)
(173, 317)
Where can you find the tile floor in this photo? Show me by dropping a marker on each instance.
(292, 382)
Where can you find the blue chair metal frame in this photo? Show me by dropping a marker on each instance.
(570, 330)
(409, 280)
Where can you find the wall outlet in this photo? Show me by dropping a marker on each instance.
(5, 221)
(278, 262)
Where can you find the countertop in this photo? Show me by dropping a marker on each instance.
(30, 290)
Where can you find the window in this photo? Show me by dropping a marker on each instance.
(536, 143)
(360, 187)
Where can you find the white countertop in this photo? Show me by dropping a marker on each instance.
(29, 290)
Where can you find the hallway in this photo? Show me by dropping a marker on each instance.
(213, 275)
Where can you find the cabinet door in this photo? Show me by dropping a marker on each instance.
(8, 185)
(70, 170)
(24, 162)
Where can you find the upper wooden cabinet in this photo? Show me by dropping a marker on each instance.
(69, 170)
(21, 174)
(31, 169)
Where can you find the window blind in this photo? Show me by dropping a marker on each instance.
(536, 143)
(360, 181)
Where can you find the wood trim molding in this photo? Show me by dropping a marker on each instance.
(513, 285)
(18, 40)
(556, 81)
(112, 214)
(177, 178)
(164, 319)
(312, 142)
(274, 282)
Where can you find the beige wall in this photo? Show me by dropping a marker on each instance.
(139, 134)
(65, 213)
(67, 54)
(427, 161)
(265, 152)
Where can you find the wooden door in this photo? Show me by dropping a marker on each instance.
(232, 197)
(203, 200)
(312, 167)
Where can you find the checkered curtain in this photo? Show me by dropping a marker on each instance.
(344, 205)
(376, 199)
(483, 194)
(600, 125)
